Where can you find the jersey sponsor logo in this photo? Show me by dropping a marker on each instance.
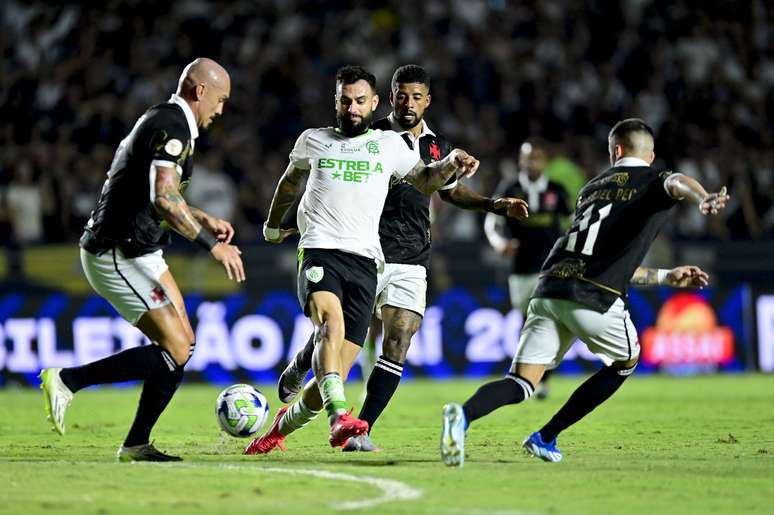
(372, 147)
(568, 268)
(173, 147)
(315, 274)
(435, 151)
(347, 170)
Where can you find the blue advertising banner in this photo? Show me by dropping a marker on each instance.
(244, 337)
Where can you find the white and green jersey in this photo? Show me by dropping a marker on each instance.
(347, 185)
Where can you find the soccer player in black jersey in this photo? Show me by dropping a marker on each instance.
(529, 241)
(582, 289)
(404, 232)
(121, 254)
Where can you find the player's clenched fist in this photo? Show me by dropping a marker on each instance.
(465, 163)
(687, 277)
(513, 207)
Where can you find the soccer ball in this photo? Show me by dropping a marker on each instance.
(241, 410)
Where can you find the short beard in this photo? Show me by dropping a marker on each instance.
(351, 130)
(418, 120)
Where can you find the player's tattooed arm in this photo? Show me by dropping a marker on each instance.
(465, 198)
(285, 196)
(171, 205)
(429, 178)
(681, 186)
(645, 276)
(686, 276)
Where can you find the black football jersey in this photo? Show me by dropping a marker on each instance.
(548, 205)
(125, 216)
(404, 228)
(617, 216)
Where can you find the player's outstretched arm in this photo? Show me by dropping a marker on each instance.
(430, 178)
(171, 205)
(463, 197)
(285, 195)
(687, 276)
(681, 187)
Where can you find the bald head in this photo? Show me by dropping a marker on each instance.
(203, 70)
(631, 138)
(206, 86)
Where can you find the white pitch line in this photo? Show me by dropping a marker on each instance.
(392, 490)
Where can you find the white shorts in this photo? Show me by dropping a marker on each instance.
(132, 286)
(401, 286)
(552, 326)
(521, 287)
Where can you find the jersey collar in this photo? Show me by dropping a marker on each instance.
(396, 127)
(189, 116)
(631, 161)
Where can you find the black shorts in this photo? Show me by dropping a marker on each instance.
(350, 277)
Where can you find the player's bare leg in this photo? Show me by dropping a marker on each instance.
(331, 357)
(160, 366)
(304, 410)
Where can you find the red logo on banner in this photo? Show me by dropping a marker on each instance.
(157, 295)
(686, 333)
(435, 152)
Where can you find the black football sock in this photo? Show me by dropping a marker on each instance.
(304, 356)
(157, 391)
(129, 365)
(593, 392)
(381, 386)
(511, 389)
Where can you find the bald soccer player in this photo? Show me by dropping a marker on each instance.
(122, 254)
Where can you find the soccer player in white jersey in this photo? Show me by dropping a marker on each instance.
(349, 170)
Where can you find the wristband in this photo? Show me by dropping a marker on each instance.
(270, 233)
(490, 205)
(661, 275)
(205, 240)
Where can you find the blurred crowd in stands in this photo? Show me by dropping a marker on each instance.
(74, 77)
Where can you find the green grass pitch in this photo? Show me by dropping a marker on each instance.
(661, 445)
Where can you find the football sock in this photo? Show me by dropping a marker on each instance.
(304, 357)
(157, 391)
(593, 392)
(382, 383)
(297, 416)
(129, 365)
(511, 389)
(332, 393)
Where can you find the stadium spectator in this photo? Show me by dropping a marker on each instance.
(703, 76)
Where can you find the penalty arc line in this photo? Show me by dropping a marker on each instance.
(392, 490)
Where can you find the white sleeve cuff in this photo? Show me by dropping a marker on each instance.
(449, 186)
(167, 164)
